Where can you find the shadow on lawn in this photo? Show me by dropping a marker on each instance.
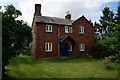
(23, 60)
(31, 61)
(72, 60)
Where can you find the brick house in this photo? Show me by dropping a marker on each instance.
(57, 37)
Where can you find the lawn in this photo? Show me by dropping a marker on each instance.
(27, 67)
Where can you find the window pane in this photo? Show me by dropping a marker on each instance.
(46, 27)
(66, 29)
(82, 47)
(70, 47)
(49, 46)
(70, 29)
(49, 28)
(46, 45)
(81, 29)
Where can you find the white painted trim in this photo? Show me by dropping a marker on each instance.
(81, 30)
(66, 29)
(70, 47)
(49, 46)
(82, 47)
(48, 28)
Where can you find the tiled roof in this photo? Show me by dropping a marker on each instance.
(53, 20)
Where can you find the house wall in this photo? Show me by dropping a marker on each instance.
(87, 38)
(42, 37)
(33, 42)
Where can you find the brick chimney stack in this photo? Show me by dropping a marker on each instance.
(68, 15)
(37, 10)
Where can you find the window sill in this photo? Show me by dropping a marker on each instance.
(48, 32)
(82, 50)
(48, 51)
(82, 33)
(66, 32)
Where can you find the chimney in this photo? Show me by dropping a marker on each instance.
(37, 10)
(68, 15)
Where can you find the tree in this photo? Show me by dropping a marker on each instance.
(117, 17)
(108, 36)
(16, 35)
(116, 56)
(104, 28)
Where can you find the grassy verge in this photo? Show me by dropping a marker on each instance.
(28, 67)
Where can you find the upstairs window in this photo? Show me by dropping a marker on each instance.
(66, 29)
(48, 28)
(82, 47)
(81, 30)
(70, 47)
(48, 46)
(70, 29)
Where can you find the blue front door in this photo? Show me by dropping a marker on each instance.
(65, 50)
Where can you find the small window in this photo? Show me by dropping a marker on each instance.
(82, 47)
(81, 30)
(48, 46)
(70, 29)
(70, 47)
(66, 29)
(48, 28)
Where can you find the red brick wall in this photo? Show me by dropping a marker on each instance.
(42, 37)
(87, 38)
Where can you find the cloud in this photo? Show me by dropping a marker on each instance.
(58, 8)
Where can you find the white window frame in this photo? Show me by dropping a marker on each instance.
(82, 47)
(70, 30)
(66, 29)
(81, 30)
(48, 28)
(48, 46)
(70, 49)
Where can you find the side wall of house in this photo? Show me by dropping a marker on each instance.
(33, 42)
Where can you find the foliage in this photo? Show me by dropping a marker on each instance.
(104, 28)
(16, 34)
(107, 35)
(24, 66)
(116, 56)
(108, 64)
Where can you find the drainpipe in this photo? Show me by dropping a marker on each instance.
(59, 40)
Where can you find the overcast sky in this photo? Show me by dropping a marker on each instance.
(57, 8)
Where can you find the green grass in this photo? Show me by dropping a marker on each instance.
(28, 67)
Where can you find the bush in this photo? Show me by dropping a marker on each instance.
(108, 64)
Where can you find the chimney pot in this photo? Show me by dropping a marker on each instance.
(68, 15)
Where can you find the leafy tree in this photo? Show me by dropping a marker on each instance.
(16, 35)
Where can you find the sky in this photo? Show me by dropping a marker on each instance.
(91, 9)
